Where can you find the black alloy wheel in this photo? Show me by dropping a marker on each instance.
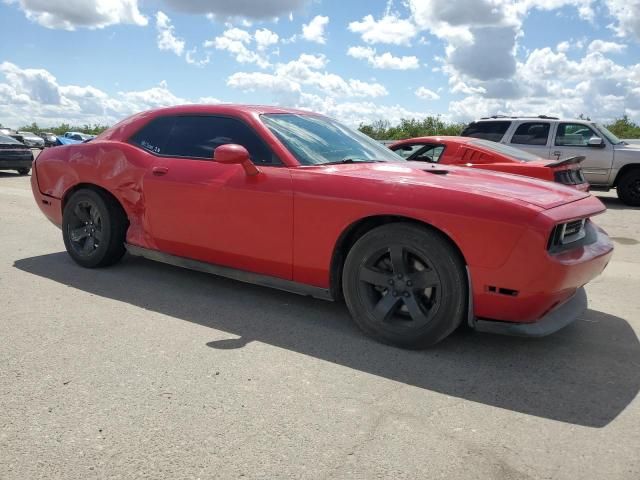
(401, 288)
(94, 227)
(405, 285)
(85, 228)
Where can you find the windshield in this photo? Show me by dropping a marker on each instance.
(610, 136)
(506, 150)
(315, 140)
(9, 140)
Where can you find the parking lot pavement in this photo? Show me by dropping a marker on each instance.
(146, 370)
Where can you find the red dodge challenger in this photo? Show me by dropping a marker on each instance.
(297, 201)
(478, 153)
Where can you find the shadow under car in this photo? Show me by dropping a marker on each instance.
(586, 374)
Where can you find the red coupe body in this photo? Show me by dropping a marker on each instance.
(294, 224)
(478, 153)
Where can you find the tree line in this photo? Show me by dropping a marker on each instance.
(94, 129)
(622, 127)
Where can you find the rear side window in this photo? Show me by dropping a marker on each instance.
(531, 133)
(493, 131)
(430, 153)
(198, 137)
(405, 151)
(153, 136)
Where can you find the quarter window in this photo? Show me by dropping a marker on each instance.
(405, 151)
(429, 153)
(531, 133)
(493, 131)
(153, 136)
(574, 135)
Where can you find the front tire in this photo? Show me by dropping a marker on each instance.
(405, 285)
(628, 188)
(93, 229)
(23, 171)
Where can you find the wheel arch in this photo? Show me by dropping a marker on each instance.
(626, 168)
(91, 186)
(357, 229)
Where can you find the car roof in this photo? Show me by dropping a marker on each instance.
(225, 108)
(435, 139)
(127, 126)
(542, 118)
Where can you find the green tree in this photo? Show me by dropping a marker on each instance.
(623, 127)
(408, 128)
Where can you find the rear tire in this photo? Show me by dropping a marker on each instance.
(93, 229)
(24, 171)
(405, 285)
(628, 188)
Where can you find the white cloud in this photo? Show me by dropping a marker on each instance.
(627, 16)
(426, 94)
(264, 38)
(314, 30)
(254, 81)
(288, 79)
(266, 9)
(548, 82)
(238, 42)
(191, 58)
(166, 35)
(71, 14)
(385, 61)
(606, 47)
(355, 113)
(28, 95)
(389, 29)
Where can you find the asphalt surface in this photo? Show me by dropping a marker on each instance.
(143, 370)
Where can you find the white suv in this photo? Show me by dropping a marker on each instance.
(609, 162)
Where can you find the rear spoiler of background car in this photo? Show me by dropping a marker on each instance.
(567, 161)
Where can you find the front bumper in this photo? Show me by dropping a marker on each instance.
(558, 318)
(532, 282)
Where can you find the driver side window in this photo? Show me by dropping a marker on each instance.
(574, 135)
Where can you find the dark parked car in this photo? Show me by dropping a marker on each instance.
(15, 155)
(50, 139)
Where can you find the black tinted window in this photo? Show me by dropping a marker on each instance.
(199, 136)
(531, 133)
(154, 135)
(493, 131)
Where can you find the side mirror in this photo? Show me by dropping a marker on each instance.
(596, 142)
(231, 153)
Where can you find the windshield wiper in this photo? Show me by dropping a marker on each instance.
(352, 160)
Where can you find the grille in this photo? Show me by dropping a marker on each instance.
(569, 177)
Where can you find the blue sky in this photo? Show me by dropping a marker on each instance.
(87, 61)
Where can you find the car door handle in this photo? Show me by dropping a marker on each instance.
(159, 171)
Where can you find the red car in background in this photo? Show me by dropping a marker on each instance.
(297, 201)
(479, 153)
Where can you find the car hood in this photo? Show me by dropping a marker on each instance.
(540, 193)
(631, 147)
